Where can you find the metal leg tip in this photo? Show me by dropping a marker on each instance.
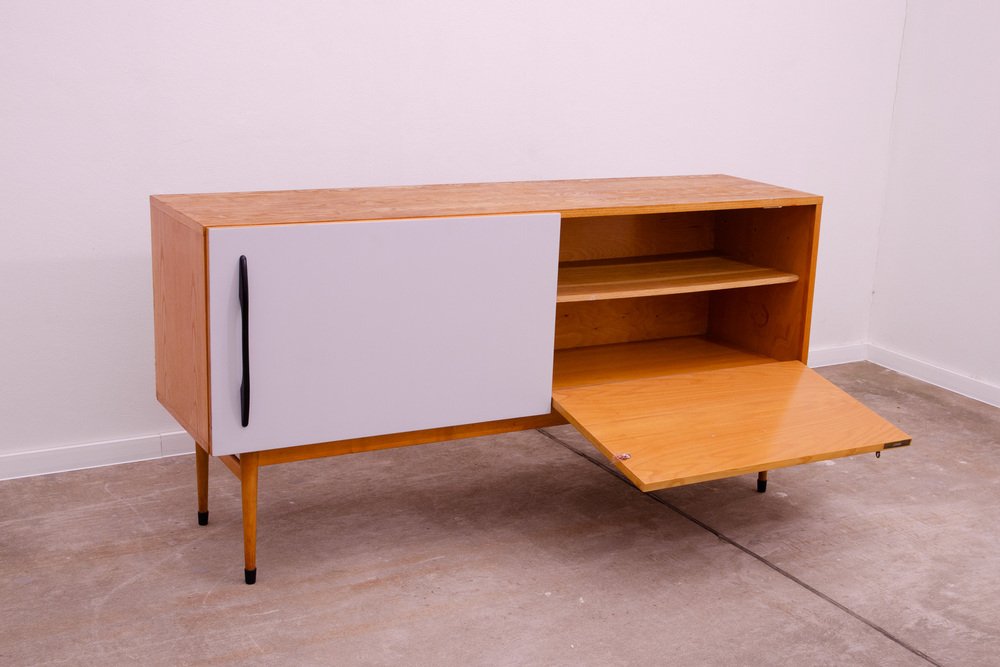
(761, 485)
(202, 518)
(250, 576)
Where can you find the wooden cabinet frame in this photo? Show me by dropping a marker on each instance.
(666, 285)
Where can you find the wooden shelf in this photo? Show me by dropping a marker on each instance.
(598, 364)
(692, 427)
(622, 279)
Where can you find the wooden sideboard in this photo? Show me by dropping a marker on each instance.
(666, 318)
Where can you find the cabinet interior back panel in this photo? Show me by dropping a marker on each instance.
(368, 328)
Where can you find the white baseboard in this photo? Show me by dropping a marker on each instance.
(830, 356)
(94, 454)
(174, 444)
(921, 370)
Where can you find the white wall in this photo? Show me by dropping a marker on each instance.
(936, 309)
(104, 103)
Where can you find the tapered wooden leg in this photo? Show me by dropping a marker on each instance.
(201, 467)
(248, 484)
(762, 481)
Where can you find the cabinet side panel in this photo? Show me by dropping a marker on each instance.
(771, 320)
(179, 321)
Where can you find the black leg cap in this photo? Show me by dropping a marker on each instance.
(761, 485)
(202, 518)
(250, 576)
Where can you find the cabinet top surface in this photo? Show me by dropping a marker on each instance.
(572, 198)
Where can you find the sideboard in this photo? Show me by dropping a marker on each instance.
(666, 318)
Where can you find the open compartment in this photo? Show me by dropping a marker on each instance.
(672, 292)
(681, 341)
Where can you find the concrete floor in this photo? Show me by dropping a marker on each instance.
(520, 550)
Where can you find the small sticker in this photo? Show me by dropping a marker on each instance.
(624, 456)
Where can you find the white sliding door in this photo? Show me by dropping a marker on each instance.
(366, 328)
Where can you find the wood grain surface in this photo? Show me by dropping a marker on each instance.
(573, 198)
(772, 320)
(680, 429)
(374, 443)
(645, 359)
(586, 323)
(605, 236)
(180, 317)
(632, 277)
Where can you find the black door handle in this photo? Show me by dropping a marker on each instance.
(245, 318)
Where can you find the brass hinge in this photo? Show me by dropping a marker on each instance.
(898, 443)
